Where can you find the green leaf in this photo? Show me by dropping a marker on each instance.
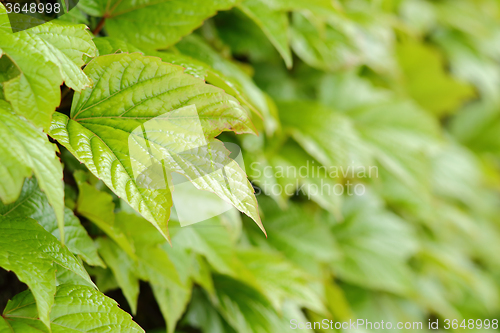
(156, 264)
(273, 23)
(25, 149)
(172, 301)
(319, 6)
(31, 252)
(110, 45)
(227, 29)
(415, 132)
(375, 245)
(329, 136)
(153, 24)
(227, 75)
(210, 239)
(366, 128)
(244, 308)
(122, 266)
(202, 315)
(45, 56)
(320, 45)
(76, 309)
(319, 184)
(106, 118)
(164, 281)
(428, 83)
(279, 279)
(171, 270)
(98, 207)
(33, 203)
(298, 235)
(477, 127)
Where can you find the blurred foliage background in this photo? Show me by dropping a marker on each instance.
(410, 87)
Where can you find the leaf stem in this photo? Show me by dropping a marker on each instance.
(99, 26)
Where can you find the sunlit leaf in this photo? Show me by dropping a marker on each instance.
(106, 119)
(44, 57)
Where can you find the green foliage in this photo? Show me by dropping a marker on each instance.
(273, 23)
(420, 65)
(145, 24)
(94, 136)
(33, 203)
(26, 150)
(77, 309)
(23, 238)
(39, 60)
(397, 98)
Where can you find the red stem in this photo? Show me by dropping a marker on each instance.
(99, 26)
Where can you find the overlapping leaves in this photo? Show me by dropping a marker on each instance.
(153, 24)
(104, 118)
(26, 150)
(39, 60)
(76, 309)
(22, 238)
(33, 203)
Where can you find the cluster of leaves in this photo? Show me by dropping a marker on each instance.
(407, 87)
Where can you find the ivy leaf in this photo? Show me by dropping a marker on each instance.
(323, 47)
(110, 45)
(329, 136)
(122, 266)
(31, 252)
(25, 149)
(364, 260)
(202, 61)
(202, 315)
(366, 129)
(98, 207)
(244, 308)
(428, 83)
(212, 241)
(477, 127)
(232, 76)
(268, 172)
(172, 301)
(153, 24)
(268, 269)
(231, 79)
(319, 6)
(105, 118)
(34, 204)
(45, 57)
(156, 265)
(380, 119)
(76, 309)
(272, 22)
(171, 270)
(297, 235)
